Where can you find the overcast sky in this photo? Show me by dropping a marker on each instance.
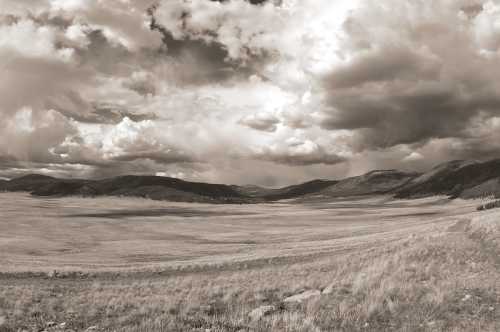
(263, 92)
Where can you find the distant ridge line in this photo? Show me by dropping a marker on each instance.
(455, 179)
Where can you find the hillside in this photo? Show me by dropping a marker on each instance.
(464, 179)
(456, 179)
(27, 183)
(302, 189)
(153, 187)
(375, 182)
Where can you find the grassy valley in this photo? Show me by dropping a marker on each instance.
(372, 264)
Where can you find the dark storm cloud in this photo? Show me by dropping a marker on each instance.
(210, 61)
(418, 77)
(46, 19)
(305, 160)
(387, 118)
(104, 56)
(383, 65)
(315, 158)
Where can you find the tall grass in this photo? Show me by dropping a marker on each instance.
(434, 281)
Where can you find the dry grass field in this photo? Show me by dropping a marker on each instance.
(370, 264)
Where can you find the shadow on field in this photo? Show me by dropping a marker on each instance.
(178, 212)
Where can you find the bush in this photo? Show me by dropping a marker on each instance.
(488, 206)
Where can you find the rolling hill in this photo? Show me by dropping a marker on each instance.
(374, 182)
(153, 187)
(463, 179)
(288, 192)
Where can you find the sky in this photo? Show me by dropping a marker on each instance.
(259, 92)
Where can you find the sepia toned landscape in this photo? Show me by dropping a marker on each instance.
(249, 165)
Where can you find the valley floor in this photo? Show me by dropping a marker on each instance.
(371, 264)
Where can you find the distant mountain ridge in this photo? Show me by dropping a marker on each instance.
(153, 187)
(456, 179)
(374, 182)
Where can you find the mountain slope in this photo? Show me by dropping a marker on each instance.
(463, 179)
(154, 187)
(27, 183)
(122, 183)
(301, 189)
(375, 182)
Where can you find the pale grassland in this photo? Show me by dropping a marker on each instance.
(393, 271)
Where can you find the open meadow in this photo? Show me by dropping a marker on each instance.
(366, 264)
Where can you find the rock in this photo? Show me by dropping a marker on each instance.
(328, 289)
(62, 325)
(91, 328)
(50, 324)
(303, 296)
(257, 313)
(466, 297)
(52, 274)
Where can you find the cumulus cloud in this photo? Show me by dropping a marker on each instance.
(295, 151)
(239, 26)
(261, 121)
(270, 92)
(405, 80)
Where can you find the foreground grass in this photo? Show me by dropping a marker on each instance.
(440, 280)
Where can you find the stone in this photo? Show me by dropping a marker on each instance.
(52, 274)
(304, 296)
(328, 289)
(257, 313)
